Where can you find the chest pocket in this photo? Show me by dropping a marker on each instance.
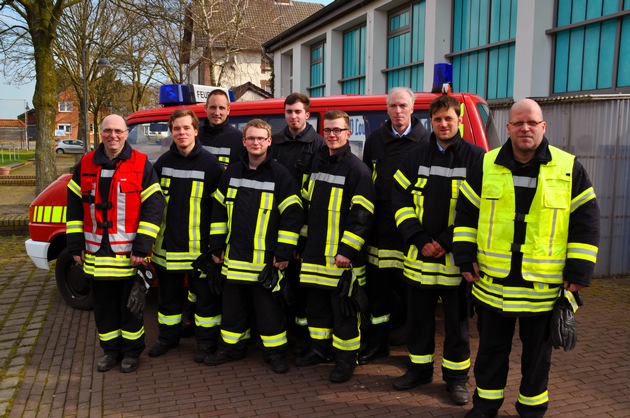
(493, 187)
(557, 193)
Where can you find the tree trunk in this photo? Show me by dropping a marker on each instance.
(45, 102)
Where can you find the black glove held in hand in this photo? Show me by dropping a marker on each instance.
(352, 297)
(563, 326)
(269, 278)
(145, 276)
(206, 265)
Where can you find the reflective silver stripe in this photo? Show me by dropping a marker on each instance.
(107, 173)
(183, 174)
(527, 182)
(217, 150)
(121, 205)
(436, 170)
(329, 178)
(253, 184)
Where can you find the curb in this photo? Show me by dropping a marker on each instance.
(14, 225)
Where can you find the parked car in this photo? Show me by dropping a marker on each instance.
(69, 146)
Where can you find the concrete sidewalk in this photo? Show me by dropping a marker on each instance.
(48, 352)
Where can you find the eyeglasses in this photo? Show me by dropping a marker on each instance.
(118, 132)
(530, 123)
(256, 138)
(336, 131)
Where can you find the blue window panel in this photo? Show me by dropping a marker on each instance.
(473, 34)
(607, 54)
(458, 18)
(562, 62)
(626, 4)
(417, 77)
(464, 73)
(482, 60)
(623, 70)
(513, 12)
(510, 73)
(495, 21)
(576, 53)
(417, 31)
(465, 31)
(503, 71)
(493, 69)
(398, 78)
(593, 9)
(354, 53)
(472, 73)
(504, 30)
(399, 21)
(316, 53)
(564, 12)
(483, 22)
(578, 12)
(591, 55)
(393, 51)
(318, 92)
(356, 86)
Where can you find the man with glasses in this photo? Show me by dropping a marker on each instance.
(340, 197)
(527, 225)
(384, 151)
(114, 213)
(256, 221)
(295, 148)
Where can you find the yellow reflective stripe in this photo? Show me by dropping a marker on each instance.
(301, 321)
(491, 394)
(320, 333)
(534, 400)
(462, 109)
(347, 345)
(207, 321)
(421, 359)
(403, 214)
(384, 258)
(402, 180)
(146, 193)
(374, 172)
(375, 320)
(465, 234)
(74, 188)
(108, 336)
(320, 275)
(219, 197)
(234, 337)
(429, 273)
(586, 196)
(456, 365)
(291, 200)
(274, 340)
(262, 224)
(470, 194)
(363, 201)
(74, 227)
(241, 270)
(515, 299)
(147, 228)
(194, 217)
(334, 216)
(133, 335)
(218, 228)
(192, 297)
(288, 237)
(353, 240)
(169, 319)
(118, 266)
(582, 251)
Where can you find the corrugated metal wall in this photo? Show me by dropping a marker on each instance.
(597, 133)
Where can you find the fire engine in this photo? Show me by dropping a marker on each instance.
(148, 133)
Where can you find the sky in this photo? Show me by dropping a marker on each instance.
(12, 97)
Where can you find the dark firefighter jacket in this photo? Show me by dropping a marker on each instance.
(296, 153)
(223, 141)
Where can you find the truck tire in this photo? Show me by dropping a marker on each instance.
(73, 285)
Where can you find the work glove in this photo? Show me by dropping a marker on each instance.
(563, 326)
(145, 276)
(204, 266)
(270, 278)
(352, 297)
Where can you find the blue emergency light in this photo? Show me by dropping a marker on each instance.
(183, 94)
(442, 74)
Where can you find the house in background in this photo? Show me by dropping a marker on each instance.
(231, 36)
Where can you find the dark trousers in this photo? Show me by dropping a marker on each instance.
(207, 312)
(329, 328)
(383, 287)
(296, 312)
(170, 305)
(422, 305)
(120, 332)
(238, 301)
(491, 366)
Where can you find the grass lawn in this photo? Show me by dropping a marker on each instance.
(9, 157)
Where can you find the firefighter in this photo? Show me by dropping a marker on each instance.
(423, 201)
(340, 195)
(256, 222)
(527, 225)
(114, 212)
(295, 148)
(384, 151)
(188, 176)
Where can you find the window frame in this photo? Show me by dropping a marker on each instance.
(363, 56)
(65, 106)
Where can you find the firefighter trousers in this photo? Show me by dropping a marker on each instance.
(422, 305)
(385, 289)
(329, 329)
(491, 366)
(296, 310)
(238, 300)
(120, 333)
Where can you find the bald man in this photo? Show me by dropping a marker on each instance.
(114, 213)
(527, 225)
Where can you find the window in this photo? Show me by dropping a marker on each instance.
(405, 47)
(65, 127)
(484, 34)
(353, 81)
(592, 45)
(65, 106)
(318, 75)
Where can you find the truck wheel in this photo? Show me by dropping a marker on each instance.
(73, 285)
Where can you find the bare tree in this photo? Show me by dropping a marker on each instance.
(30, 26)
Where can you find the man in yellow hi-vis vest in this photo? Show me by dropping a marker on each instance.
(527, 225)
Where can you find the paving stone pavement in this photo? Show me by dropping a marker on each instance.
(48, 353)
